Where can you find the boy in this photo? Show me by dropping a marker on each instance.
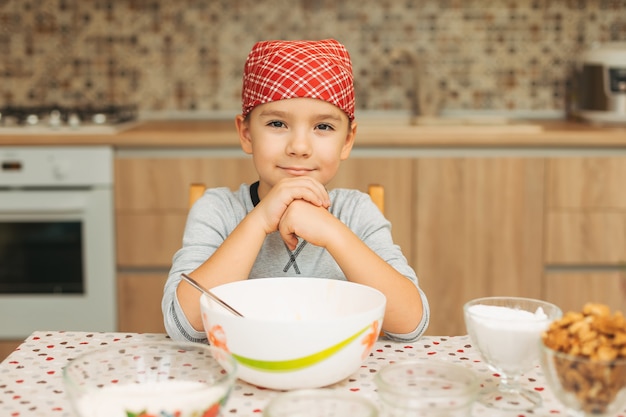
(298, 124)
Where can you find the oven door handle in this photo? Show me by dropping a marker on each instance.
(46, 201)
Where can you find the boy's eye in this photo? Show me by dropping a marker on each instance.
(324, 126)
(276, 123)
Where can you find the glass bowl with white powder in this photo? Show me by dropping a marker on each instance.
(507, 332)
(159, 378)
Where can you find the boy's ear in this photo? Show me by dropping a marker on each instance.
(349, 143)
(243, 129)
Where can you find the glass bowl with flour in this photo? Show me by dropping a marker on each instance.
(507, 332)
(151, 379)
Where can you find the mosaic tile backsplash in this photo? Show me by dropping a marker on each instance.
(187, 55)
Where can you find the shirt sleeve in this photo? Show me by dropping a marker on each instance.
(177, 325)
(209, 221)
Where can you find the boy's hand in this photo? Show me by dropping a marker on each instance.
(273, 206)
(312, 223)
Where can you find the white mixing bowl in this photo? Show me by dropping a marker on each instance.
(296, 333)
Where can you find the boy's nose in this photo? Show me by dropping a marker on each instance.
(299, 144)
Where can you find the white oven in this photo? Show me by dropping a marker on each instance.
(57, 262)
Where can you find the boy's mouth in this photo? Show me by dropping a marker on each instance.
(297, 170)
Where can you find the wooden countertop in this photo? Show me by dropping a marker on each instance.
(221, 134)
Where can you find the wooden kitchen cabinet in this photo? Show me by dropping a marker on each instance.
(151, 202)
(470, 226)
(586, 211)
(151, 197)
(586, 183)
(570, 290)
(585, 237)
(139, 302)
(151, 205)
(585, 249)
(479, 232)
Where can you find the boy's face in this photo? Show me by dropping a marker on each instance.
(294, 137)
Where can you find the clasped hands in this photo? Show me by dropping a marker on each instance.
(298, 207)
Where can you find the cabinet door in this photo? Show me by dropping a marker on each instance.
(151, 202)
(480, 233)
(161, 184)
(586, 211)
(396, 175)
(586, 183)
(571, 290)
(139, 302)
(148, 238)
(585, 237)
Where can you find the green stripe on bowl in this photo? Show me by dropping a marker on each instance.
(298, 363)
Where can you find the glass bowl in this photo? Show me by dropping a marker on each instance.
(584, 386)
(414, 388)
(507, 332)
(159, 378)
(320, 403)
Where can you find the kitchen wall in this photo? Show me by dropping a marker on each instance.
(188, 54)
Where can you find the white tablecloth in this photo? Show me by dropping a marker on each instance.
(31, 382)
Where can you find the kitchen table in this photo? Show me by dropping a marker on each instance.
(31, 381)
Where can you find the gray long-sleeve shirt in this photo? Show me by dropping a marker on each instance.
(214, 216)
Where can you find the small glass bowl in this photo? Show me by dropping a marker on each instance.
(159, 378)
(584, 386)
(426, 388)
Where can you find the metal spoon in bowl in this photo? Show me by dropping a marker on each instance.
(210, 294)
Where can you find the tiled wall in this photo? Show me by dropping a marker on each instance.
(188, 54)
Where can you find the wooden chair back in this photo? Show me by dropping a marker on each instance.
(377, 194)
(195, 192)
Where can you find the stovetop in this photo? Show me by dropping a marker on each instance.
(62, 119)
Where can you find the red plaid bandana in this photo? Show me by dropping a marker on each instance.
(277, 70)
